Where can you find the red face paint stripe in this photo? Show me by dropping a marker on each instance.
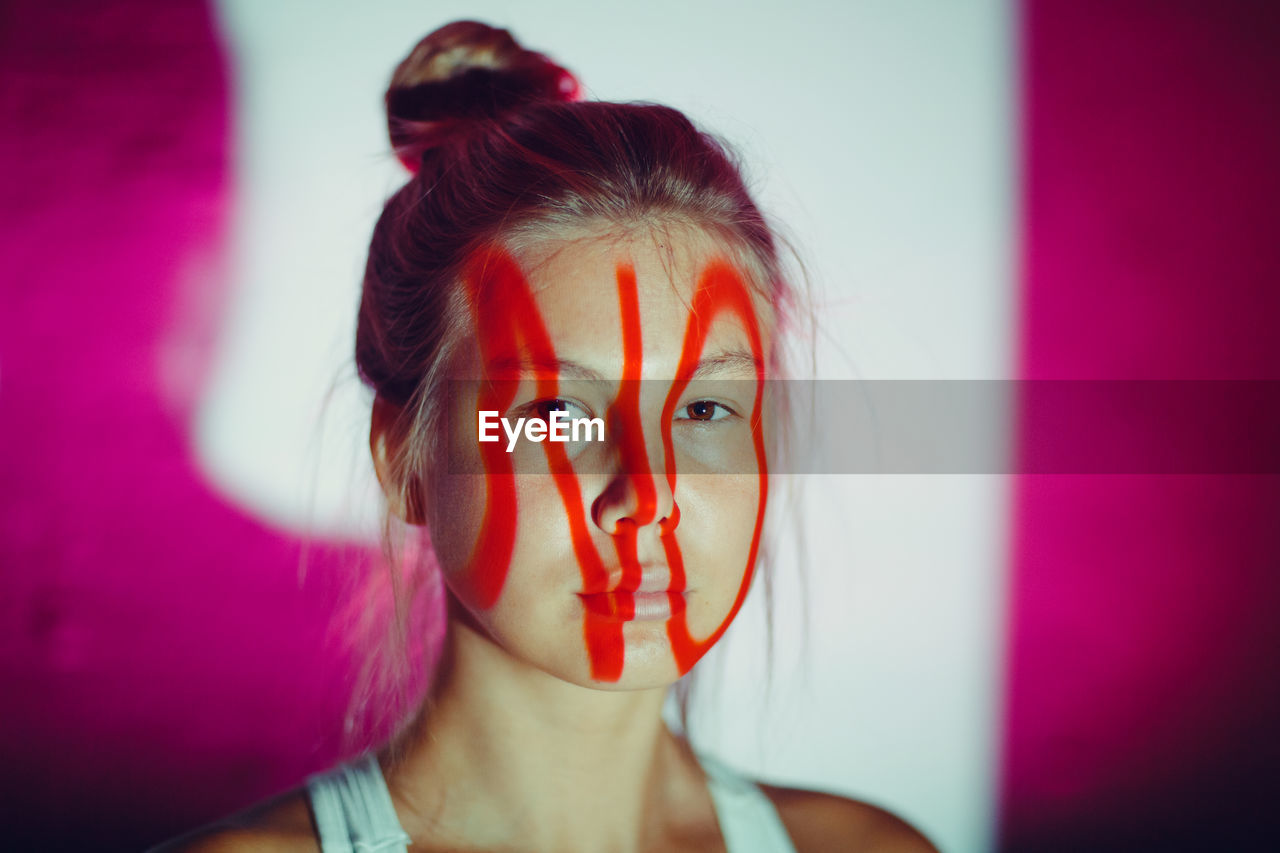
(487, 566)
(720, 288)
(629, 432)
(510, 317)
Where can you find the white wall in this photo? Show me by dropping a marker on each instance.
(880, 134)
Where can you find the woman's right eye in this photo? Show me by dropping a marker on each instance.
(542, 409)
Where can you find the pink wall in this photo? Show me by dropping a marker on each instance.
(163, 662)
(1145, 642)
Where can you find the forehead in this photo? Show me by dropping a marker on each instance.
(584, 284)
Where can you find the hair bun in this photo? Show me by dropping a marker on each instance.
(465, 71)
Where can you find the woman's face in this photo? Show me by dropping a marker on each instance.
(614, 562)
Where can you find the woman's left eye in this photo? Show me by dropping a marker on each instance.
(704, 410)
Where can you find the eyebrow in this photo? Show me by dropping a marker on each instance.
(733, 361)
(719, 364)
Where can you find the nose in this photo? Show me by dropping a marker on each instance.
(635, 498)
(637, 492)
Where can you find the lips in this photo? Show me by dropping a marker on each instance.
(637, 606)
(653, 578)
(623, 599)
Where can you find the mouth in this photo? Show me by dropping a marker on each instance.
(639, 606)
(656, 596)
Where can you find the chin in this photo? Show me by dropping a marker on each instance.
(648, 661)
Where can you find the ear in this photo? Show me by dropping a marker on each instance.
(385, 436)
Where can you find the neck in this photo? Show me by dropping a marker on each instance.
(506, 755)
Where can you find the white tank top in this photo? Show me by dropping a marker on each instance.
(354, 812)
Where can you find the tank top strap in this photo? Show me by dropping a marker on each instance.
(748, 819)
(353, 809)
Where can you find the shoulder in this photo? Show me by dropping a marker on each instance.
(282, 824)
(817, 822)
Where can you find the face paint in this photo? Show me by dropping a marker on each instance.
(720, 289)
(510, 328)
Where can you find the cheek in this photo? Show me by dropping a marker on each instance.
(542, 529)
(539, 526)
(717, 520)
(457, 514)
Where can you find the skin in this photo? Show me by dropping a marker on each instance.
(526, 747)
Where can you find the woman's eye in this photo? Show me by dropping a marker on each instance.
(542, 409)
(705, 410)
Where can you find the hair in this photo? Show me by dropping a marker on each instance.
(503, 151)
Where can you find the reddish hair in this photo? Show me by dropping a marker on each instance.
(499, 146)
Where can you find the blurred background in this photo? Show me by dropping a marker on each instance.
(1044, 189)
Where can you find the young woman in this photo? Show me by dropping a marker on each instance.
(556, 260)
